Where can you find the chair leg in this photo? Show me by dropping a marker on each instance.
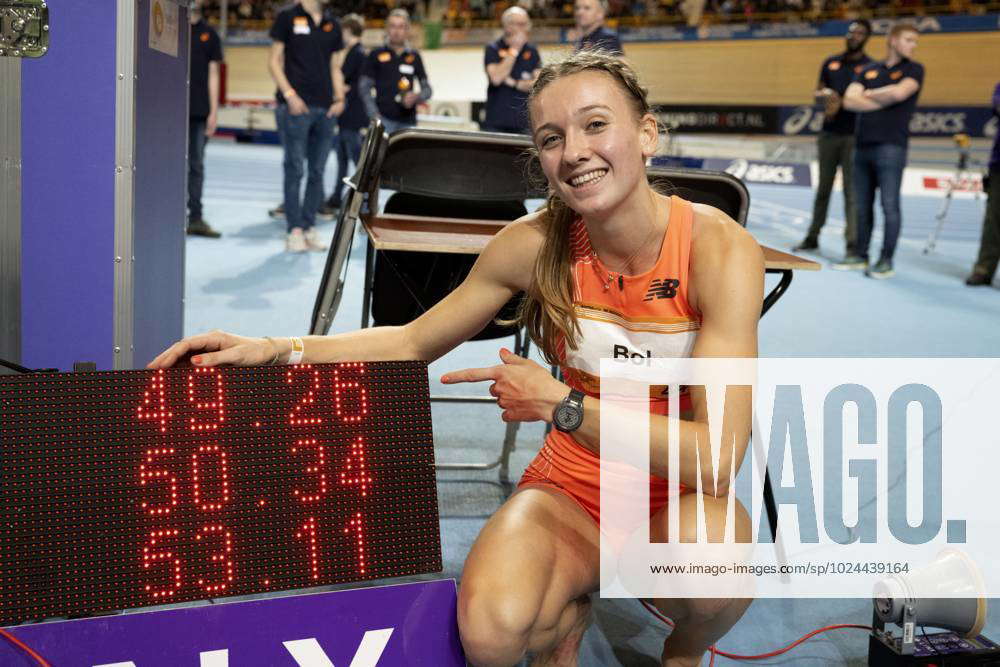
(509, 438)
(522, 345)
(769, 506)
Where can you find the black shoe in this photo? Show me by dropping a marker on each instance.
(882, 270)
(278, 213)
(808, 244)
(201, 228)
(978, 280)
(326, 212)
(850, 263)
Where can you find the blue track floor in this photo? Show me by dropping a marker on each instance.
(246, 283)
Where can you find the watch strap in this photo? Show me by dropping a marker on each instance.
(575, 397)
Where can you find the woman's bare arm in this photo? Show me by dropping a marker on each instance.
(503, 269)
(727, 287)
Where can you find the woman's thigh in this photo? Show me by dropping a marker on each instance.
(536, 554)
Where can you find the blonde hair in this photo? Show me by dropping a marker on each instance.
(901, 27)
(547, 309)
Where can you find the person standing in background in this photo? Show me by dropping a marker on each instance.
(835, 144)
(989, 246)
(512, 65)
(203, 113)
(354, 117)
(590, 31)
(885, 95)
(392, 69)
(305, 66)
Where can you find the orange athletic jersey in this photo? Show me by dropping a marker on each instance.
(646, 315)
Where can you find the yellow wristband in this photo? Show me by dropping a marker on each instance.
(298, 349)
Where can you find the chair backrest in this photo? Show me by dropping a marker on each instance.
(480, 175)
(715, 188)
(486, 166)
(459, 165)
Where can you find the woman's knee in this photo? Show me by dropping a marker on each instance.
(715, 521)
(701, 611)
(495, 624)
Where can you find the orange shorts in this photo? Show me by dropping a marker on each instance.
(573, 470)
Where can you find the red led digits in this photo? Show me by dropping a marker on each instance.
(343, 388)
(125, 489)
(146, 475)
(307, 531)
(357, 530)
(154, 403)
(225, 557)
(214, 403)
(319, 470)
(296, 415)
(223, 478)
(154, 406)
(355, 470)
(150, 557)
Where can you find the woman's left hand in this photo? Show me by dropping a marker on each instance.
(525, 390)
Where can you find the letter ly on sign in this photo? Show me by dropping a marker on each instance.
(305, 652)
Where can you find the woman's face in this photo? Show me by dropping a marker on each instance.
(591, 146)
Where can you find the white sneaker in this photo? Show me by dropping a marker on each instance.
(313, 241)
(296, 241)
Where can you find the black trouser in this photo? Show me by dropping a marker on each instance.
(196, 165)
(348, 142)
(878, 167)
(989, 246)
(835, 150)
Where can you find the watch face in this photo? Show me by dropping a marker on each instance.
(568, 417)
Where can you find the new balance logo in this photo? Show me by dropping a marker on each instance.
(662, 289)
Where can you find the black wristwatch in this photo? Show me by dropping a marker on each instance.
(568, 415)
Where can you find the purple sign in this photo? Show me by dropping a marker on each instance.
(407, 624)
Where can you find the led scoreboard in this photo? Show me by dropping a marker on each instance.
(134, 488)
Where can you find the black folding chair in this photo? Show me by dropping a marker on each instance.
(362, 187)
(445, 175)
(454, 175)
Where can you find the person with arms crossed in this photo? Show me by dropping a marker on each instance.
(305, 65)
(590, 31)
(392, 70)
(835, 144)
(587, 261)
(203, 113)
(989, 245)
(512, 65)
(354, 118)
(884, 95)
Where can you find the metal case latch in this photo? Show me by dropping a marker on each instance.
(24, 28)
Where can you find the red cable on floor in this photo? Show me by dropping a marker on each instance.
(24, 647)
(735, 656)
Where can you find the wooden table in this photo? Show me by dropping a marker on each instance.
(468, 237)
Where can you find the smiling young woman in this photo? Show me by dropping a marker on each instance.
(609, 264)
